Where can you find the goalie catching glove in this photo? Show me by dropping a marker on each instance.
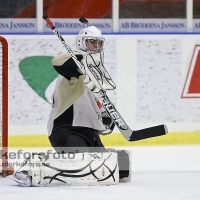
(96, 76)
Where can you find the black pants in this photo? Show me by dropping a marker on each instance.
(76, 139)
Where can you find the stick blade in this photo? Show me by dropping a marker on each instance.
(149, 133)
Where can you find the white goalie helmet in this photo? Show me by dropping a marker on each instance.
(90, 39)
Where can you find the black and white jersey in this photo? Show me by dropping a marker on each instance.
(73, 103)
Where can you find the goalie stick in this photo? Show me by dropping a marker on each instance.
(129, 134)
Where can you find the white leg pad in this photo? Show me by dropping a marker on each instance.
(75, 169)
(124, 164)
(127, 167)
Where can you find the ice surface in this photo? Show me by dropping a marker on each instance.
(158, 173)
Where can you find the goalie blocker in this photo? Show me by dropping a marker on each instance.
(107, 168)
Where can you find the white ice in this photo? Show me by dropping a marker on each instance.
(158, 173)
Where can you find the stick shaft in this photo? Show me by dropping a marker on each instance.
(57, 33)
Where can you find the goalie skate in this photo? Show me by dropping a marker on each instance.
(22, 178)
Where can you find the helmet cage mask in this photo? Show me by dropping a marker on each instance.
(88, 43)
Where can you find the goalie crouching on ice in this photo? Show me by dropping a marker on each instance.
(76, 120)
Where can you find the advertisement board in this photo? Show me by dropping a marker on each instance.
(67, 25)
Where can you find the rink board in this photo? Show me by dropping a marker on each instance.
(113, 140)
(157, 78)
